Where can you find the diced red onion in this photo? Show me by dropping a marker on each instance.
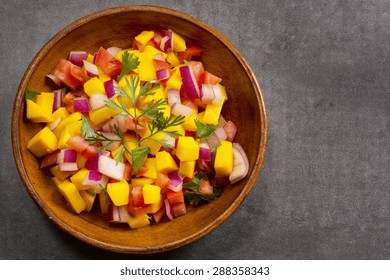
(81, 104)
(179, 109)
(170, 141)
(91, 69)
(165, 43)
(169, 42)
(123, 213)
(97, 101)
(162, 74)
(204, 152)
(207, 93)
(54, 79)
(113, 213)
(221, 133)
(68, 166)
(213, 140)
(114, 50)
(173, 96)
(218, 99)
(111, 168)
(176, 181)
(77, 57)
(58, 97)
(94, 57)
(119, 122)
(109, 87)
(95, 179)
(168, 209)
(94, 164)
(67, 155)
(189, 82)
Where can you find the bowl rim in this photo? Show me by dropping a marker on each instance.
(252, 177)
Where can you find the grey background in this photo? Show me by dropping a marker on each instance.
(323, 192)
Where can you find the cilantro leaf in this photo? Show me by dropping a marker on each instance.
(86, 130)
(138, 156)
(30, 94)
(194, 183)
(204, 130)
(129, 63)
(195, 198)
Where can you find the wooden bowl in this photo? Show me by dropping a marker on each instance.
(116, 27)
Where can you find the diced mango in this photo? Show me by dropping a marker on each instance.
(144, 37)
(69, 131)
(179, 44)
(178, 129)
(90, 58)
(187, 148)
(45, 100)
(78, 178)
(138, 221)
(146, 69)
(212, 113)
(100, 115)
(74, 117)
(60, 113)
(153, 145)
(159, 93)
(154, 207)
(223, 164)
(165, 162)
(81, 161)
(173, 59)
(43, 142)
(36, 114)
(151, 194)
(60, 175)
(175, 80)
(141, 181)
(103, 76)
(130, 51)
(187, 168)
(72, 196)
(89, 199)
(150, 164)
(189, 123)
(119, 192)
(94, 85)
(223, 91)
(131, 144)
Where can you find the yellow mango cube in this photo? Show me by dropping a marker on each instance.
(60, 113)
(212, 113)
(156, 206)
(146, 69)
(74, 117)
(60, 175)
(119, 192)
(43, 142)
(138, 221)
(131, 144)
(78, 178)
(175, 80)
(72, 196)
(187, 168)
(173, 59)
(179, 44)
(69, 131)
(130, 51)
(141, 181)
(165, 162)
(187, 148)
(90, 58)
(144, 37)
(45, 100)
(223, 164)
(179, 129)
(89, 199)
(36, 114)
(150, 164)
(189, 122)
(94, 85)
(81, 161)
(153, 145)
(100, 115)
(151, 194)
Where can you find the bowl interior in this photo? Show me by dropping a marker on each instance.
(117, 27)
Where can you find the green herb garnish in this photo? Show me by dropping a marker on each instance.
(191, 190)
(129, 63)
(30, 94)
(204, 130)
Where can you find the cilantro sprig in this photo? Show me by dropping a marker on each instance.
(31, 94)
(129, 62)
(204, 130)
(191, 191)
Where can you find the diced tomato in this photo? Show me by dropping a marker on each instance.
(108, 63)
(231, 130)
(137, 196)
(157, 37)
(137, 210)
(159, 215)
(69, 74)
(197, 68)
(68, 98)
(162, 180)
(90, 152)
(50, 159)
(128, 169)
(205, 187)
(78, 143)
(175, 197)
(161, 64)
(189, 53)
(141, 171)
(179, 209)
(208, 78)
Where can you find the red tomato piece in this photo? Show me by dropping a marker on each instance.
(69, 74)
(161, 64)
(208, 78)
(137, 210)
(197, 68)
(205, 187)
(137, 197)
(50, 159)
(90, 152)
(108, 63)
(128, 169)
(159, 215)
(157, 37)
(231, 130)
(78, 143)
(162, 180)
(189, 53)
(175, 197)
(179, 209)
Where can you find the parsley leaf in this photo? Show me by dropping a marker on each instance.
(195, 198)
(204, 130)
(129, 63)
(138, 156)
(30, 94)
(86, 130)
(194, 183)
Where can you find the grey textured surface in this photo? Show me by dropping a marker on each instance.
(324, 68)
